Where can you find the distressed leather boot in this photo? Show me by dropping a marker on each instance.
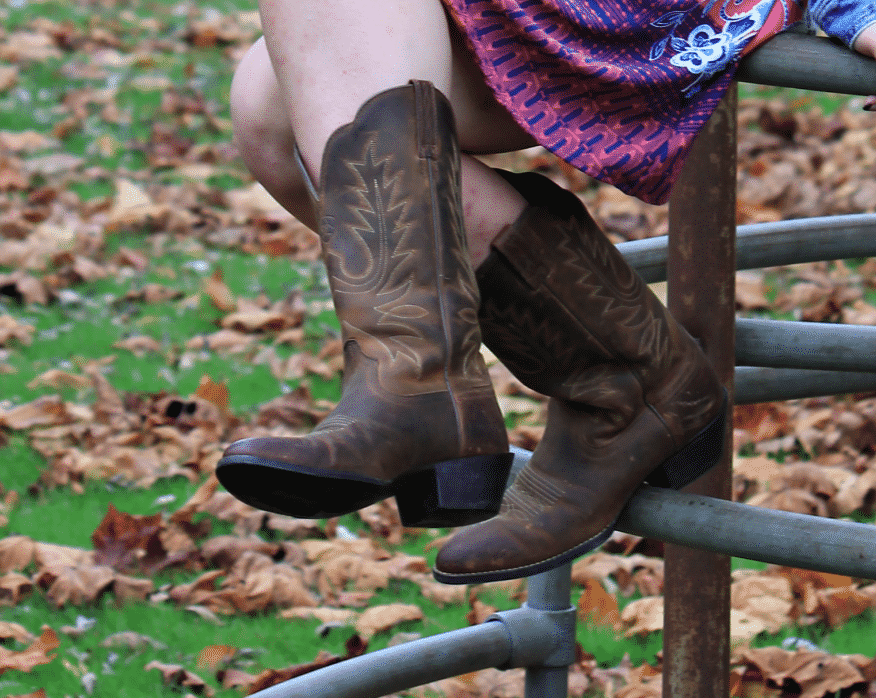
(418, 418)
(633, 397)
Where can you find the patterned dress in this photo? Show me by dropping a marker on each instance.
(619, 89)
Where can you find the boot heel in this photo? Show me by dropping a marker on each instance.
(698, 457)
(453, 493)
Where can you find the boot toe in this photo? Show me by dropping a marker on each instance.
(282, 475)
(265, 450)
(462, 559)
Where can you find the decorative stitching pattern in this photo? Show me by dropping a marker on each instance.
(377, 259)
(529, 496)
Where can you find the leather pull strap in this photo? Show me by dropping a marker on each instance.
(426, 110)
(308, 182)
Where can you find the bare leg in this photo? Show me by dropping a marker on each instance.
(266, 137)
(263, 133)
(330, 57)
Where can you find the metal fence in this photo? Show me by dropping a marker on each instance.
(540, 636)
(776, 361)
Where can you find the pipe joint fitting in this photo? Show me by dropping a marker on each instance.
(539, 638)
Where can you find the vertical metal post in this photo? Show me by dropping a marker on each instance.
(549, 591)
(701, 276)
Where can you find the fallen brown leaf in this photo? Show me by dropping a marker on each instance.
(643, 616)
(213, 656)
(16, 553)
(837, 605)
(177, 675)
(322, 613)
(14, 631)
(139, 345)
(127, 542)
(131, 640)
(355, 647)
(381, 618)
(55, 378)
(43, 411)
(767, 598)
(809, 674)
(218, 292)
(36, 654)
(75, 585)
(597, 607)
(14, 587)
(13, 331)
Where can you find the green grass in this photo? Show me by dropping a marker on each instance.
(69, 335)
(262, 641)
(20, 464)
(62, 517)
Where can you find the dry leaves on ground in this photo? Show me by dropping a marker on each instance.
(805, 673)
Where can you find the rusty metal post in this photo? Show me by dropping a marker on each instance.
(701, 275)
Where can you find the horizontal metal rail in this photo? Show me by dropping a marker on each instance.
(757, 384)
(772, 244)
(539, 636)
(788, 360)
(813, 345)
(730, 528)
(403, 666)
(741, 530)
(808, 62)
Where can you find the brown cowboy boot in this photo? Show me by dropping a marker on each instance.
(634, 398)
(418, 418)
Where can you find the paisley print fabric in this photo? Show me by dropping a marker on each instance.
(617, 89)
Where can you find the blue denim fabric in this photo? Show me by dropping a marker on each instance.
(843, 19)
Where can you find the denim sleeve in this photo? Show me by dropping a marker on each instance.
(843, 19)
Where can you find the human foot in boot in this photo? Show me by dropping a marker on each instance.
(418, 418)
(634, 398)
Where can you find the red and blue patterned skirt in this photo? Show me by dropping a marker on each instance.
(617, 89)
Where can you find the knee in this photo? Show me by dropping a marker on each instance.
(263, 133)
(261, 126)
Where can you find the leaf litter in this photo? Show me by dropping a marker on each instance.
(811, 456)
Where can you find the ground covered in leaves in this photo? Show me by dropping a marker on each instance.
(156, 304)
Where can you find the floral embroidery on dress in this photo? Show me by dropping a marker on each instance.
(593, 80)
(706, 52)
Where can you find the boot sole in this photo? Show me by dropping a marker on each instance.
(694, 460)
(451, 493)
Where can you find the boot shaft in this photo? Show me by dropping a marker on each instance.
(393, 240)
(554, 287)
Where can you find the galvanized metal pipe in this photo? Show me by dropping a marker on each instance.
(772, 244)
(813, 345)
(551, 592)
(816, 239)
(756, 384)
(809, 62)
(781, 537)
(741, 530)
(403, 666)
